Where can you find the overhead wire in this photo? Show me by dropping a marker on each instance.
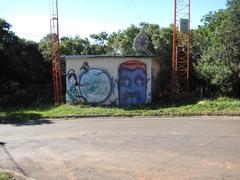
(14, 4)
(7, 6)
(27, 34)
(96, 15)
(135, 8)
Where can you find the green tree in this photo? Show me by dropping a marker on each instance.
(162, 41)
(100, 38)
(113, 45)
(100, 46)
(22, 67)
(126, 39)
(45, 47)
(121, 43)
(218, 55)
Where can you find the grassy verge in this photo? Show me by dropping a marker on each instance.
(6, 176)
(220, 106)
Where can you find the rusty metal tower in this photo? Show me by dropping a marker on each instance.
(181, 47)
(54, 38)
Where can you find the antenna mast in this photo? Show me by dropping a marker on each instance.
(54, 38)
(181, 47)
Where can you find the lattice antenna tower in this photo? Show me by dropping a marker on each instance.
(181, 47)
(54, 38)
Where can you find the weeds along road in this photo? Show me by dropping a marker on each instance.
(123, 148)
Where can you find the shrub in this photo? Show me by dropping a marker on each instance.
(22, 97)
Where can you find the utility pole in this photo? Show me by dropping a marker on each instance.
(54, 38)
(181, 47)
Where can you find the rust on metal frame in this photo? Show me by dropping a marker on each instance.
(181, 48)
(56, 67)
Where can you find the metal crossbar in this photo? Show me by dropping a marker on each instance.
(54, 37)
(181, 48)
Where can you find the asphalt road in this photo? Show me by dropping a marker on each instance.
(198, 148)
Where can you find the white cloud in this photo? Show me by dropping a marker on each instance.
(30, 27)
(36, 27)
(85, 28)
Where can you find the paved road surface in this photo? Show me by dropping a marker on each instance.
(197, 148)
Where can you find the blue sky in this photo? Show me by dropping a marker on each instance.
(30, 18)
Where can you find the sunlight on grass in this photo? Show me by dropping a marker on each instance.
(220, 106)
(6, 176)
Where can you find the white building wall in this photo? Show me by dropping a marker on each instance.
(98, 79)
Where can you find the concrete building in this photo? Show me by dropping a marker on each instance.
(111, 80)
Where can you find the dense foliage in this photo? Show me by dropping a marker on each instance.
(23, 70)
(216, 50)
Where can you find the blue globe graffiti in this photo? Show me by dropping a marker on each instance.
(95, 86)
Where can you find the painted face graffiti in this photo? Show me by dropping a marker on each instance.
(72, 84)
(132, 83)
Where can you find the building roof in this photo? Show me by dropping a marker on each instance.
(104, 56)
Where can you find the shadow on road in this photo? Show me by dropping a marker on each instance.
(17, 166)
(23, 119)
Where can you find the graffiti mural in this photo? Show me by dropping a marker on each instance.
(132, 83)
(96, 86)
(72, 84)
